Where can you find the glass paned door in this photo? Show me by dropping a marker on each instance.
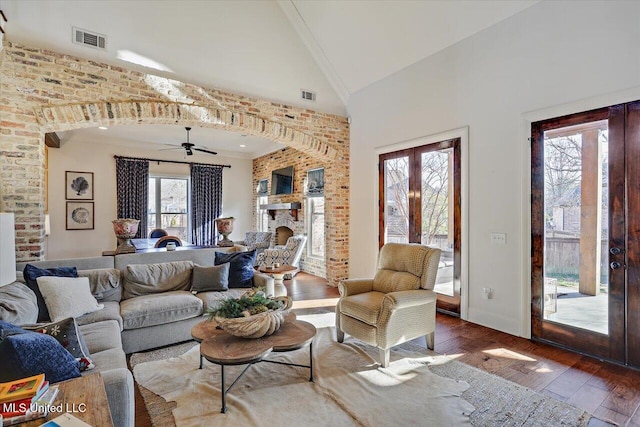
(576, 194)
(420, 203)
(578, 232)
(437, 212)
(396, 199)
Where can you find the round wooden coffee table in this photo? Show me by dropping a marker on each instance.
(278, 277)
(224, 349)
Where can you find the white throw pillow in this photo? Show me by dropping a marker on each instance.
(67, 296)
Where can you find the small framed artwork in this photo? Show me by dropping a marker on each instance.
(79, 185)
(80, 215)
(262, 187)
(315, 182)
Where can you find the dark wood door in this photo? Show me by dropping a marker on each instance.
(420, 202)
(586, 232)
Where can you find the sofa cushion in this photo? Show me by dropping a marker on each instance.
(68, 334)
(364, 307)
(213, 300)
(102, 336)
(67, 296)
(146, 279)
(18, 304)
(214, 278)
(24, 353)
(106, 360)
(240, 269)
(157, 309)
(111, 311)
(104, 283)
(31, 273)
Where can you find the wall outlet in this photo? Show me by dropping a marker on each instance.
(487, 293)
(499, 238)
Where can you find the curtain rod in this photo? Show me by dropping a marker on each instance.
(169, 161)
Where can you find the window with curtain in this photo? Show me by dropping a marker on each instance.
(169, 206)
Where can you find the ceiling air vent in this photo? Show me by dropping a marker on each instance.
(308, 95)
(88, 38)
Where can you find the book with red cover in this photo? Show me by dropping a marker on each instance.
(21, 406)
(21, 389)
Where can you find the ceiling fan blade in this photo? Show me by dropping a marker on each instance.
(204, 151)
(171, 149)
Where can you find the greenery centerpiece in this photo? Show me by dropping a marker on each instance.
(253, 315)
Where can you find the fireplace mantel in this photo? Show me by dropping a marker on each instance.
(273, 207)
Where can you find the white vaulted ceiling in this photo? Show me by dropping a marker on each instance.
(267, 49)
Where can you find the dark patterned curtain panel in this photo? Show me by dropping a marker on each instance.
(132, 181)
(206, 203)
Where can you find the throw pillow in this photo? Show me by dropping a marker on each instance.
(104, 282)
(67, 333)
(145, 279)
(214, 278)
(25, 354)
(240, 267)
(67, 296)
(31, 273)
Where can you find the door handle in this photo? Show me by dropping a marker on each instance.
(615, 251)
(615, 265)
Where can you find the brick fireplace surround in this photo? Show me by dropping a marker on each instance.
(43, 91)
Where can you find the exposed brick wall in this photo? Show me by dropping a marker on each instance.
(43, 91)
(262, 168)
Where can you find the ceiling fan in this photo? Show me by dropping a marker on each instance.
(189, 147)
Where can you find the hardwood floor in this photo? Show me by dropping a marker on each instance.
(607, 391)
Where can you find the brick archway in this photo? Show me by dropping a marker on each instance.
(111, 113)
(44, 91)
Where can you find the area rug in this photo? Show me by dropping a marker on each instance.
(350, 389)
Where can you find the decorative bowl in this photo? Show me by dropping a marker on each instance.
(256, 325)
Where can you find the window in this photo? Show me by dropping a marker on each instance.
(169, 206)
(315, 207)
(262, 214)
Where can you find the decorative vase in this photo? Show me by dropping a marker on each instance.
(225, 227)
(125, 229)
(257, 325)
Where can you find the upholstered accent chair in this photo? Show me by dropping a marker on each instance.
(258, 240)
(288, 254)
(397, 305)
(162, 242)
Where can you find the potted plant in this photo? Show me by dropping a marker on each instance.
(253, 315)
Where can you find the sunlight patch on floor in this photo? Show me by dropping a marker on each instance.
(508, 354)
(314, 303)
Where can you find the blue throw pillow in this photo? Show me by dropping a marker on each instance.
(31, 273)
(240, 267)
(24, 354)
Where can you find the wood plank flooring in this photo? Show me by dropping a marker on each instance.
(609, 392)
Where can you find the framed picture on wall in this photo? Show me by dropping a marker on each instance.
(315, 182)
(79, 185)
(80, 215)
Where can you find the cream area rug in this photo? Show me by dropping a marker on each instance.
(350, 389)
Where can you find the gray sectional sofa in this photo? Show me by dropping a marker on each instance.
(143, 309)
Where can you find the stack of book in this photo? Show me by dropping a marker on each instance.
(26, 399)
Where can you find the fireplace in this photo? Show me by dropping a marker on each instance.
(282, 234)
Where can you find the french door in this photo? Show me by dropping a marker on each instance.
(586, 232)
(419, 202)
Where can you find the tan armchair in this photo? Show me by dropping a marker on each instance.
(397, 305)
